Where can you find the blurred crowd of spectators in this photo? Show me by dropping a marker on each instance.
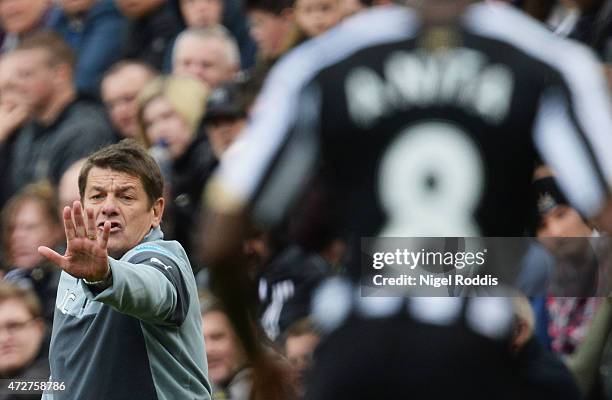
(181, 76)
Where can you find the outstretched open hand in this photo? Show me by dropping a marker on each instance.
(86, 254)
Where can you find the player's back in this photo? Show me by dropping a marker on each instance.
(420, 132)
(428, 130)
(437, 134)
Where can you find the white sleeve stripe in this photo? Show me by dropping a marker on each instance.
(296, 161)
(556, 137)
(576, 64)
(242, 169)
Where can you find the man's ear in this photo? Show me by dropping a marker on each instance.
(40, 326)
(287, 14)
(158, 212)
(64, 71)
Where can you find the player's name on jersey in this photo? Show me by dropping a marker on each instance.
(435, 281)
(458, 77)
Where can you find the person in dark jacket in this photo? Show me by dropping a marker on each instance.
(154, 25)
(540, 370)
(62, 127)
(95, 29)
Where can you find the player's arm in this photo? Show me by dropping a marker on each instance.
(258, 179)
(262, 174)
(149, 286)
(573, 133)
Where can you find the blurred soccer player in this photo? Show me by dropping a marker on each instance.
(428, 125)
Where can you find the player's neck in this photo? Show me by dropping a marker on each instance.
(441, 12)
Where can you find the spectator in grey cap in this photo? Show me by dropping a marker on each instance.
(225, 116)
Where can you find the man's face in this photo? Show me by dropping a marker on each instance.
(21, 16)
(223, 351)
(10, 93)
(138, 8)
(317, 16)
(34, 78)
(202, 13)
(222, 132)
(20, 336)
(203, 59)
(73, 7)
(269, 31)
(349, 7)
(298, 350)
(559, 231)
(120, 95)
(120, 198)
(30, 228)
(162, 122)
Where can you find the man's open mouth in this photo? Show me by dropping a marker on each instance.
(115, 226)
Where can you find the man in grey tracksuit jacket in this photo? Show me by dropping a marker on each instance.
(136, 333)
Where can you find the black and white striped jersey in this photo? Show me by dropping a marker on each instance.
(426, 131)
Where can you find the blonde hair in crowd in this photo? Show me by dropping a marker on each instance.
(187, 95)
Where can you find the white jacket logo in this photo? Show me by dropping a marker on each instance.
(156, 261)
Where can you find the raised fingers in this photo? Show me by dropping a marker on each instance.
(91, 224)
(79, 222)
(105, 234)
(68, 224)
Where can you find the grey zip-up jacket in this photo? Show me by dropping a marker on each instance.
(141, 338)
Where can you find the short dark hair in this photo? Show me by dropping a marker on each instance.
(122, 64)
(301, 327)
(59, 51)
(27, 297)
(130, 157)
(271, 6)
